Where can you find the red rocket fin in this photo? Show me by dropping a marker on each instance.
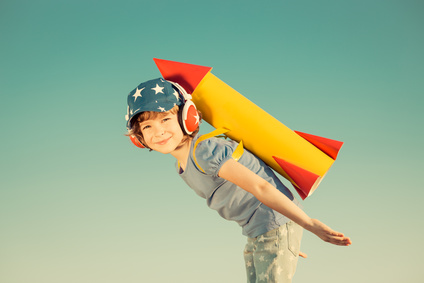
(300, 192)
(328, 146)
(187, 75)
(302, 180)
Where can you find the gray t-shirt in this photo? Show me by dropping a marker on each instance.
(230, 201)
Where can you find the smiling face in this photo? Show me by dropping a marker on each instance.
(162, 133)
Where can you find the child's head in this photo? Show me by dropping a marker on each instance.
(156, 99)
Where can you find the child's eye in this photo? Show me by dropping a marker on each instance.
(166, 119)
(145, 128)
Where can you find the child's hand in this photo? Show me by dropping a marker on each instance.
(327, 234)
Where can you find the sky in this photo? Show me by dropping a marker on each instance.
(79, 203)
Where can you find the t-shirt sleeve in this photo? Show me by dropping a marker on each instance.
(212, 153)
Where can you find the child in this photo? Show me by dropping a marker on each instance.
(235, 183)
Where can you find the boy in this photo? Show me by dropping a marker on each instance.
(235, 183)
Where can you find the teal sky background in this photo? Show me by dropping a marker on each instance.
(79, 203)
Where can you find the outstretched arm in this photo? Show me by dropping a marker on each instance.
(274, 199)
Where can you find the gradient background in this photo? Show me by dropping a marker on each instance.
(79, 203)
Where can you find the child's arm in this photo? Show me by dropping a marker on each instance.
(274, 199)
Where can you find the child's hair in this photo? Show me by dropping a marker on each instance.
(147, 115)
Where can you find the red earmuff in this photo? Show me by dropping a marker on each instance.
(136, 142)
(189, 117)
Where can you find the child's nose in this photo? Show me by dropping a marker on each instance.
(159, 131)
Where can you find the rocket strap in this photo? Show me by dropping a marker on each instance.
(238, 152)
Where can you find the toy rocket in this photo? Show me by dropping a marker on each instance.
(301, 158)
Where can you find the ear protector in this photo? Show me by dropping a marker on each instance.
(136, 141)
(188, 116)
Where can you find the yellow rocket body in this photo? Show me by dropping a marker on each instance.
(262, 134)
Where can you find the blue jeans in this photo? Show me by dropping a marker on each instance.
(272, 256)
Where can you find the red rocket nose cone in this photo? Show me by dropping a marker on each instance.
(187, 75)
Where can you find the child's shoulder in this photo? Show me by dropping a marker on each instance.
(213, 143)
(210, 153)
(213, 147)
